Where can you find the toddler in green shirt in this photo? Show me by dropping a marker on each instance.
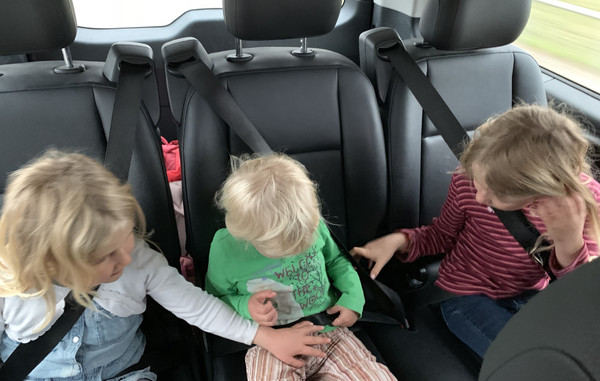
(276, 263)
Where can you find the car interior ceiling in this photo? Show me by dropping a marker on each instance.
(341, 111)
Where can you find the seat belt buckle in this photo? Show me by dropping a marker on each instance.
(536, 257)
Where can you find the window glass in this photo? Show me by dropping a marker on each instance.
(564, 37)
(135, 13)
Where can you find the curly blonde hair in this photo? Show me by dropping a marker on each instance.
(271, 203)
(58, 212)
(533, 151)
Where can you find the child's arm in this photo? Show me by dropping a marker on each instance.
(218, 285)
(438, 237)
(194, 305)
(381, 250)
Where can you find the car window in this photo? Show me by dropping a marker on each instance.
(135, 13)
(564, 37)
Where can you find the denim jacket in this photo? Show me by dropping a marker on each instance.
(119, 308)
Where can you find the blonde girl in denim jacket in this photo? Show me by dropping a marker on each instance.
(69, 225)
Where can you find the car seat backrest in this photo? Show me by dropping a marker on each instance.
(466, 57)
(554, 337)
(41, 107)
(318, 108)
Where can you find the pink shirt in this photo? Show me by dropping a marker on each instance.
(482, 256)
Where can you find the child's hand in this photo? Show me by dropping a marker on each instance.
(347, 317)
(286, 343)
(261, 308)
(564, 218)
(381, 250)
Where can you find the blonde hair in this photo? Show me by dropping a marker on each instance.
(270, 202)
(533, 151)
(58, 212)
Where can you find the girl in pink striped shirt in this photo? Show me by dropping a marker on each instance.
(532, 159)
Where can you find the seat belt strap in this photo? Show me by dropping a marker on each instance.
(455, 137)
(28, 355)
(125, 117)
(210, 88)
(430, 100)
(222, 102)
(527, 235)
(387, 299)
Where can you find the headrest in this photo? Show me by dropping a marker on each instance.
(473, 24)
(28, 26)
(280, 19)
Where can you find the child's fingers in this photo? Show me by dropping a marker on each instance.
(358, 252)
(268, 322)
(309, 328)
(342, 319)
(264, 296)
(310, 351)
(271, 317)
(304, 323)
(316, 340)
(266, 308)
(376, 269)
(292, 361)
(335, 309)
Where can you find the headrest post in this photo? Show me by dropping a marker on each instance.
(238, 47)
(66, 52)
(239, 55)
(304, 51)
(303, 47)
(69, 68)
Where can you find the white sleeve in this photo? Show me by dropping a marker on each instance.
(192, 304)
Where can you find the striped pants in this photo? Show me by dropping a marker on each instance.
(347, 359)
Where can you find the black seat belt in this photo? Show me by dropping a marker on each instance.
(125, 116)
(202, 79)
(118, 158)
(221, 101)
(28, 355)
(455, 136)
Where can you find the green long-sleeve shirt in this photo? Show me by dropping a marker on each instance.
(303, 282)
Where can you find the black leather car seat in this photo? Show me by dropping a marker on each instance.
(466, 54)
(51, 104)
(319, 108)
(41, 107)
(555, 337)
